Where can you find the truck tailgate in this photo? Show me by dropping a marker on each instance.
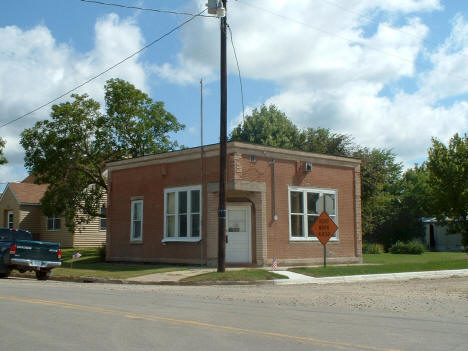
(37, 250)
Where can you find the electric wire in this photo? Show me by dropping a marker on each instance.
(383, 52)
(238, 71)
(143, 9)
(105, 71)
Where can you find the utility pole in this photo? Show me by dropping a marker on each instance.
(222, 150)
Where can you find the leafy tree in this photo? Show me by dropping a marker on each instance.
(3, 160)
(267, 126)
(448, 179)
(407, 207)
(380, 174)
(324, 141)
(70, 151)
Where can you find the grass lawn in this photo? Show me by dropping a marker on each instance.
(90, 264)
(235, 275)
(392, 263)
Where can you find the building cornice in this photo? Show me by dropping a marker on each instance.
(234, 147)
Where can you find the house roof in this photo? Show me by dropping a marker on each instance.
(27, 193)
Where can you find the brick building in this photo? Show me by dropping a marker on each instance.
(163, 208)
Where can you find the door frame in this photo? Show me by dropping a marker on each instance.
(248, 208)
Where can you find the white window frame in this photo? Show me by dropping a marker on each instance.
(189, 237)
(101, 219)
(54, 219)
(132, 234)
(304, 191)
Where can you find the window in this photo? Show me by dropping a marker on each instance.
(305, 205)
(53, 223)
(10, 220)
(136, 230)
(182, 214)
(103, 220)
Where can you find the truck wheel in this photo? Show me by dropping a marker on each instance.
(43, 275)
(5, 274)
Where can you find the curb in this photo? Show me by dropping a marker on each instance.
(404, 276)
(136, 282)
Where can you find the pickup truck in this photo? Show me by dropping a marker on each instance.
(19, 251)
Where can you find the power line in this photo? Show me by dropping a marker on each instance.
(105, 71)
(383, 52)
(143, 9)
(238, 71)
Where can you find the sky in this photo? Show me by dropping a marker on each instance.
(391, 74)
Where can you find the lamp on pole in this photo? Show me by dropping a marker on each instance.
(218, 7)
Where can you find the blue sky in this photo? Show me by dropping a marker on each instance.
(392, 74)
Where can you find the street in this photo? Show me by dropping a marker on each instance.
(412, 315)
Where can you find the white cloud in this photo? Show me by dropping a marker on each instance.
(35, 69)
(331, 67)
(449, 77)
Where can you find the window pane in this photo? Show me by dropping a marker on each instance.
(296, 202)
(183, 225)
(195, 201)
(334, 220)
(103, 223)
(170, 225)
(50, 223)
(183, 202)
(196, 225)
(329, 203)
(236, 221)
(137, 230)
(137, 211)
(170, 205)
(310, 222)
(57, 223)
(314, 203)
(296, 225)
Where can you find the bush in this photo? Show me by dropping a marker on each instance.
(102, 253)
(368, 248)
(412, 248)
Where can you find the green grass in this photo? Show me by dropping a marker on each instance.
(392, 263)
(235, 275)
(90, 265)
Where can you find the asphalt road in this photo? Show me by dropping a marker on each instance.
(420, 315)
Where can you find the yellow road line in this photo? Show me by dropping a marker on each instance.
(321, 342)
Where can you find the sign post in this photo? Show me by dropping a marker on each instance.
(324, 228)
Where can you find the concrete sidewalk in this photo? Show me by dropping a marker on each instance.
(298, 279)
(295, 278)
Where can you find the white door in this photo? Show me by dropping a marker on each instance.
(238, 245)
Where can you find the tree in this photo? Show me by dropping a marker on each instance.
(70, 151)
(448, 179)
(407, 207)
(3, 160)
(267, 126)
(380, 174)
(324, 141)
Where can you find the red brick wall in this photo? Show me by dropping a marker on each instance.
(290, 173)
(149, 182)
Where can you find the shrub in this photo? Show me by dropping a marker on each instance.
(412, 248)
(368, 248)
(102, 253)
